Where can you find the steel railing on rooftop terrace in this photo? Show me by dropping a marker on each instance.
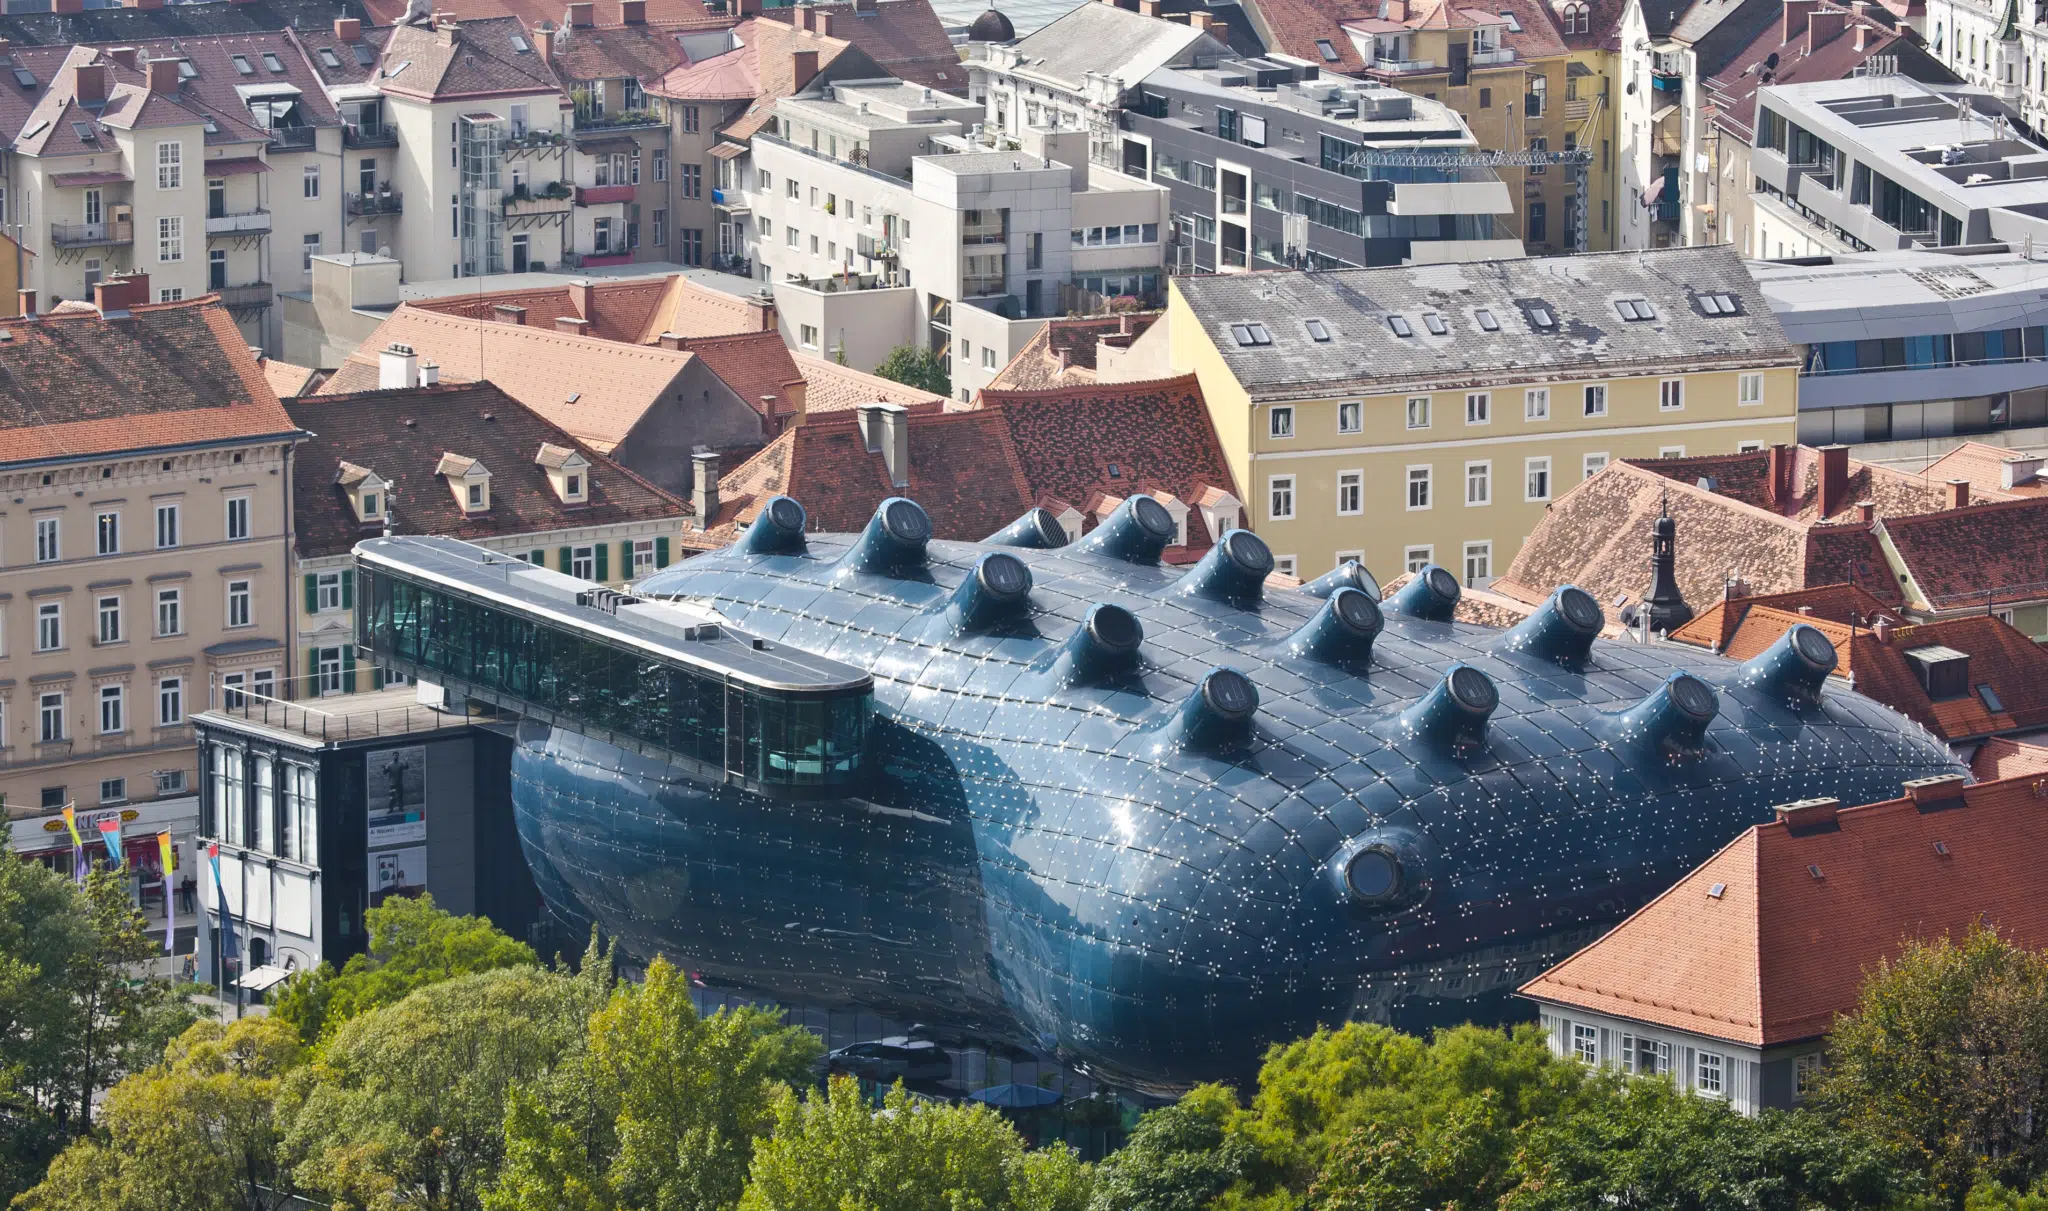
(335, 718)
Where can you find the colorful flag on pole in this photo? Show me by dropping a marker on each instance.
(228, 949)
(110, 832)
(163, 849)
(77, 843)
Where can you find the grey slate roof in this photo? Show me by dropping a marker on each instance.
(120, 25)
(1111, 41)
(1364, 353)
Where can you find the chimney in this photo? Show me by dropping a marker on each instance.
(163, 77)
(704, 496)
(803, 17)
(1806, 610)
(572, 324)
(1148, 8)
(1834, 478)
(1062, 354)
(803, 65)
(446, 29)
(1199, 22)
(398, 366)
(1862, 33)
(25, 300)
(348, 29)
(1824, 25)
(506, 313)
(672, 340)
(896, 443)
(1957, 494)
(869, 418)
(430, 374)
(822, 24)
(117, 294)
(1881, 629)
(1942, 789)
(749, 8)
(123, 55)
(1808, 815)
(68, 6)
(581, 15)
(142, 4)
(1778, 481)
(89, 83)
(1866, 511)
(632, 12)
(544, 42)
(1794, 19)
(761, 312)
(2017, 469)
(579, 296)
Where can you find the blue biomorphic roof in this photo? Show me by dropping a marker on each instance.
(1157, 820)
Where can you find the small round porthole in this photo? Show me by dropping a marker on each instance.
(1373, 875)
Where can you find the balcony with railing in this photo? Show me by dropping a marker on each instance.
(1400, 67)
(91, 235)
(1498, 55)
(241, 222)
(384, 201)
(602, 195)
(293, 138)
(246, 297)
(369, 134)
(625, 120)
(875, 247)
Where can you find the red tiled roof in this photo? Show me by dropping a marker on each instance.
(1846, 604)
(904, 36)
(831, 387)
(642, 52)
(680, 13)
(1037, 364)
(289, 380)
(2011, 665)
(688, 309)
(732, 76)
(1781, 952)
(753, 364)
(1757, 627)
(402, 436)
(617, 310)
(480, 59)
(1984, 466)
(1775, 59)
(1975, 556)
(1999, 757)
(170, 374)
(1747, 477)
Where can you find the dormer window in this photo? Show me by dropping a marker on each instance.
(470, 479)
(572, 487)
(476, 496)
(371, 504)
(568, 473)
(368, 495)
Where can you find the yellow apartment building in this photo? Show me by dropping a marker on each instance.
(1429, 414)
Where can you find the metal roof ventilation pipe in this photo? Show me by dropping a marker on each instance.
(1234, 571)
(1038, 530)
(1674, 717)
(1561, 630)
(998, 588)
(777, 530)
(1453, 715)
(1106, 642)
(1217, 716)
(1137, 532)
(1342, 632)
(1349, 574)
(1792, 669)
(893, 544)
(1433, 595)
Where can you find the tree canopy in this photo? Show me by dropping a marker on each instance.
(915, 367)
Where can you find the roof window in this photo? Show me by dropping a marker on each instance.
(1435, 323)
(1318, 331)
(328, 59)
(1486, 321)
(1399, 323)
(1635, 309)
(272, 62)
(35, 130)
(1540, 317)
(212, 127)
(1514, 22)
(85, 132)
(1991, 700)
(1717, 891)
(241, 63)
(1719, 303)
(520, 45)
(1328, 49)
(24, 77)
(1248, 335)
(364, 55)
(186, 71)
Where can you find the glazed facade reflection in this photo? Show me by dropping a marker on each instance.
(1156, 820)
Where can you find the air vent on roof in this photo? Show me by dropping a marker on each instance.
(1635, 309)
(24, 77)
(1400, 326)
(241, 63)
(1486, 320)
(1435, 323)
(1318, 331)
(1248, 335)
(272, 62)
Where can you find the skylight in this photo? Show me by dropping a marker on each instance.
(1514, 22)
(329, 59)
(1328, 49)
(186, 71)
(1399, 323)
(364, 55)
(85, 131)
(212, 127)
(271, 61)
(241, 63)
(1635, 309)
(1248, 335)
(1318, 331)
(392, 73)
(1992, 702)
(1486, 320)
(1435, 323)
(1719, 303)
(1540, 317)
(24, 77)
(521, 45)
(35, 130)
(1715, 892)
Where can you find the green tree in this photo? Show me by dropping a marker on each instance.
(834, 1150)
(1180, 1158)
(1946, 1060)
(196, 1133)
(413, 944)
(661, 1109)
(405, 1105)
(914, 367)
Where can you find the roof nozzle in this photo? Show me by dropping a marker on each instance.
(1106, 642)
(1454, 714)
(1561, 630)
(894, 541)
(779, 530)
(1342, 631)
(1674, 717)
(1234, 571)
(1433, 594)
(998, 588)
(1349, 574)
(1037, 529)
(1794, 668)
(1217, 716)
(1137, 532)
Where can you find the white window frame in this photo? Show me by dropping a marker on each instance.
(1480, 549)
(107, 620)
(326, 592)
(1344, 557)
(1351, 485)
(583, 562)
(113, 710)
(1285, 564)
(1351, 416)
(170, 612)
(167, 526)
(1418, 407)
(1593, 399)
(238, 515)
(309, 180)
(1280, 423)
(1280, 490)
(643, 556)
(242, 593)
(1671, 395)
(1588, 468)
(170, 238)
(1671, 452)
(1531, 468)
(1479, 405)
(170, 165)
(327, 671)
(49, 539)
(50, 717)
(1806, 1070)
(1426, 481)
(1749, 389)
(1484, 481)
(1414, 559)
(1536, 404)
(1749, 447)
(1710, 1079)
(50, 626)
(170, 702)
(1585, 1043)
(107, 531)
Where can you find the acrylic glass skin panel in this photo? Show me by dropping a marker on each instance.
(1031, 865)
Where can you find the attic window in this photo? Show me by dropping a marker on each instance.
(1719, 303)
(1435, 323)
(572, 487)
(1991, 700)
(371, 506)
(24, 77)
(85, 131)
(241, 63)
(1328, 49)
(1318, 331)
(1486, 321)
(1540, 317)
(328, 59)
(1814, 871)
(1941, 848)
(1715, 892)
(1514, 22)
(188, 72)
(1635, 309)
(392, 73)
(364, 55)
(521, 45)
(35, 130)
(212, 127)
(1248, 335)
(272, 62)
(1399, 323)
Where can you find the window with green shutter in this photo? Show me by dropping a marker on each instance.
(538, 559)
(661, 552)
(348, 589)
(568, 559)
(626, 568)
(312, 593)
(604, 573)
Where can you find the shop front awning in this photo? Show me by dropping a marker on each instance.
(264, 978)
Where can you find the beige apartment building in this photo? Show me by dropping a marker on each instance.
(145, 467)
(1430, 414)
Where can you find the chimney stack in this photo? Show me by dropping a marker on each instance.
(430, 374)
(1881, 629)
(142, 4)
(803, 66)
(761, 311)
(1794, 18)
(1958, 493)
(398, 366)
(1862, 35)
(1808, 815)
(803, 17)
(704, 495)
(544, 42)
(582, 15)
(163, 77)
(632, 12)
(1148, 8)
(1199, 22)
(89, 83)
(25, 300)
(579, 296)
(123, 55)
(1824, 25)
(2019, 467)
(1834, 478)
(68, 6)
(348, 29)
(572, 324)
(821, 23)
(506, 313)
(1866, 511)
(671, 340)
(1778, 485)
(896, 443)
(869, 418)
(1942, 788)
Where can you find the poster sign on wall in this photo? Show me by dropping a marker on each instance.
(397, 872)
(397, 793)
